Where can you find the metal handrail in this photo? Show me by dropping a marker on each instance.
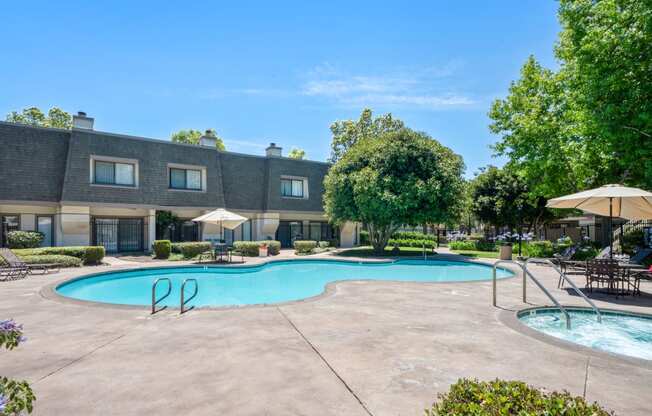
(536, 281)
(183, 302)
(569, 281)
(156, 301)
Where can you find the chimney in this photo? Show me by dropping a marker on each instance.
(81, 121)
(274, 151)
(208, 139)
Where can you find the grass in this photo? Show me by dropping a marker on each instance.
(368, 251)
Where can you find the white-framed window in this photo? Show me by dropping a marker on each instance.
(294, 187)
(186, 178)
(114, 171)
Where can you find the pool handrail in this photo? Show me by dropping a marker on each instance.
(156, 301)
(536, 281)
(183, 300)
(569, 281)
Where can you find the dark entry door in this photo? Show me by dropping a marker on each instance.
(118, 234)
(288, 231)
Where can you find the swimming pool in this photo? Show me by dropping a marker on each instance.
(620, 332)
(274, 282)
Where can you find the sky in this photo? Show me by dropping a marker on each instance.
(274, 71)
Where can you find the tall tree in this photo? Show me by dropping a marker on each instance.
(191, 136)
(33, 116)
(346, 133)
(297, 153)
(397, 178)
(590, 122)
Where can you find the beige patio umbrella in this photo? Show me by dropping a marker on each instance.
(223, 218)
(609, 200)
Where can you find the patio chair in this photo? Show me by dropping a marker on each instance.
(14, 268)
(640, 255)
(14, 262)
(638, 276)
(606, 272)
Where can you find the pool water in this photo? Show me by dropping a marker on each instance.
(619, 333)
(275, 282)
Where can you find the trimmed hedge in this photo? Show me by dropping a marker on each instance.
(87, 254)
(324, 244)
(501, 397)
(162, 249)
(472, 245)
(190, 250)
(411, 243)
(250, 248)
(542, 249)
(63, 261)
(413, 235)
(304, 246)
(24, 239)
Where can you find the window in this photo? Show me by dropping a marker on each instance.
(246, 230)
(114, 173)
(8, 223)
(292, 188)
(189, 179)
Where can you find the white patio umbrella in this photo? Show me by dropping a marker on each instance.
(609, 200)
(223, 218)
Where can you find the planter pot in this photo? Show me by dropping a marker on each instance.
(263, 252)
(505, 252)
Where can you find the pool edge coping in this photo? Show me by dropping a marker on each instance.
(511, 319)
(49, 291)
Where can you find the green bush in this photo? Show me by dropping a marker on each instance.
(247, 248)
(540, 249)
(304, 246)
(61, 260)
(162, 249)
(585, 253)
(462, 245)
(190, 250)
(333, 242)
(486, 246)
(412, 235)
(24, 239)
(631, 240)
(94, 255)
(324, 244)
(88, 254)
(500, 397)
(411, 243)
(364, 238)
(273, 247)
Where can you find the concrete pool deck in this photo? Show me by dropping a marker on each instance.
(380, 348)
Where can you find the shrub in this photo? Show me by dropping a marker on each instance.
(324, 244)
(24, 239)
(162, 249)
(462, 245)
(61, 260)
(540, 249)
(273, 247)
(333, 242)
(190, 250)
(412, 235)
(247, 248)
(88, 254)
(411, 243)
(585, 253)
(486, 246)
(94, 255)
(500, 397)
(304, 246)
(631, 240)
(364, 238)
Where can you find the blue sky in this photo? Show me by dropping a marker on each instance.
(274, 71)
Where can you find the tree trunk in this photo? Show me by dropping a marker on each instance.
(378, 237)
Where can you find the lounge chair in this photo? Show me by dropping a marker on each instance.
(640, 255)
(18, 269)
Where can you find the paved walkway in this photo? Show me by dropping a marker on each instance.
(367, 348)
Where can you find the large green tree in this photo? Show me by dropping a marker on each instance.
(191, 136)
(397, 178)
(297, 153)
(502, 198)
(346, 133)
(33, 116)
(590, 122)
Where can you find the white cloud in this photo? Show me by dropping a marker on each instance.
(418, 88)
